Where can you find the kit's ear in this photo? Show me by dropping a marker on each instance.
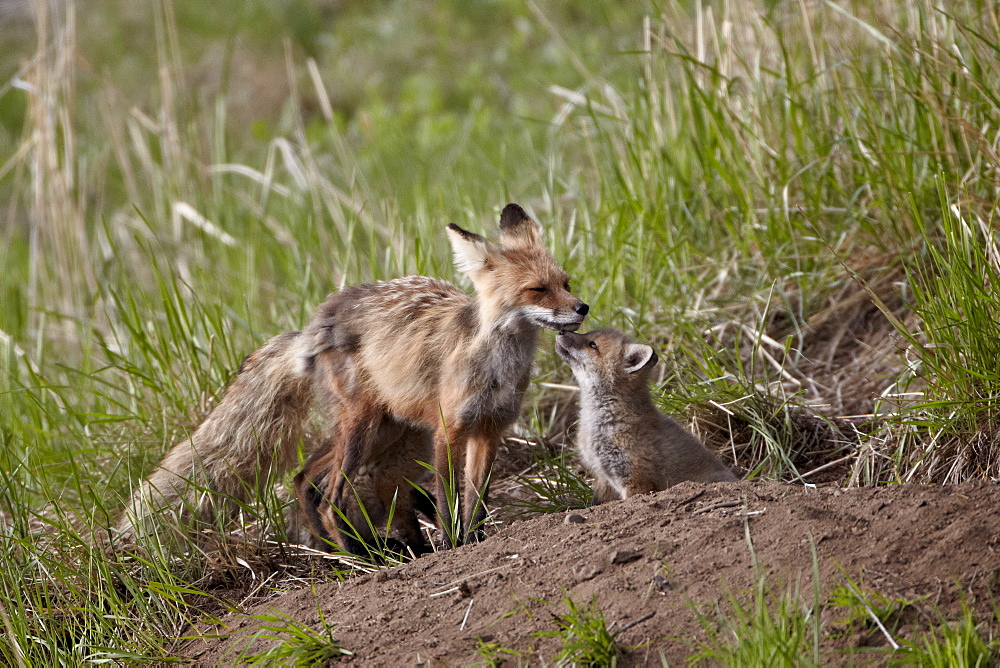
(517, 229)
(638, 356)
(471, 251)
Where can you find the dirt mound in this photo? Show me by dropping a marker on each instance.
(663, 555)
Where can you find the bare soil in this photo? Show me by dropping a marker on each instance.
(669, 555)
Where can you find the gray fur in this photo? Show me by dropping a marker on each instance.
(629, 446)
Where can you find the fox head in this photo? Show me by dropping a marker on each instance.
(606, 357)
(517, 279)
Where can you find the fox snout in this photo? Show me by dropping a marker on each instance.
(560, 317)
(576, 319)
(568, 341)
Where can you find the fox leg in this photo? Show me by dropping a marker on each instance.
(309, 491)
(358, 433)
(603, 492)
(312, 487)
(480, 454)
(449, 460)
(640, 486)
(322, 518)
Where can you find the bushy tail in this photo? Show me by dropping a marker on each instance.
(251, 436)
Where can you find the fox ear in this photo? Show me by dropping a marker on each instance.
(517, 229)
(471, 250)
(638, 356)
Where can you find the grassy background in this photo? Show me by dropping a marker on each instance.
(794, 201)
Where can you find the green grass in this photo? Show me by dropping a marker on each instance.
(965, 642)
(553, 485)
(774, 629)
(294, 643)
(792, 627)
(584, 636)
(493, 654)
(867, 608)
(769, 194)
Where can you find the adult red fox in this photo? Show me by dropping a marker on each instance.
(405, 369)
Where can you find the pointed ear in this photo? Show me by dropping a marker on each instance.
(517, 229)
(638, 356)
(471, 250)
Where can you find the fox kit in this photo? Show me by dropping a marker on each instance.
(409, 369)
(390, 488)
(629, 446)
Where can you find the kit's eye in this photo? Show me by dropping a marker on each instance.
(566, 286)
(593, 345)
(540, 288)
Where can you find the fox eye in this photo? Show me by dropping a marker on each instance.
(540, 288)
(592, 345)
(566, 287)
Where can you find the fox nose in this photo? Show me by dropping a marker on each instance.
(582, 309)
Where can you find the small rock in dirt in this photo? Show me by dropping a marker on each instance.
(584, 570)
(661, 583)
(464, 589)
(625, 556)
(574, 518)
(665, 522)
